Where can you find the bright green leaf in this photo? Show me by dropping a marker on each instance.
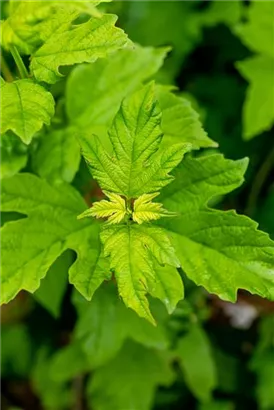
(133, 250)
(14, 155)
(197, 363)
(50, 228)
(144, 210)
(115, 209)
(26, 106)
(137, 165)
(221, 251)
(70, 45)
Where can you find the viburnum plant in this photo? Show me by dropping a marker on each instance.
(155, 219)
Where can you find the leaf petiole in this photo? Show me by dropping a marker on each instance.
(19, 62)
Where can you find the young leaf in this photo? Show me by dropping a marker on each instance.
(50, 228)
(115, 209)
(221, 251)
(26, 106)
(258, 114)
(133, 250)
(137, 165)
(100, 87)
(144, 210)
(77, 44)
(139, 369)
(194, 349)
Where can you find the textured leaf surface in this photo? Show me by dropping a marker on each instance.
(180, 122)
(50, 228)
(26, 106)
(100, 87)
(115, 209)
(144, 210)
(57, 157)
(197, 363)
(105, 323)
(221, 251)
(258, 114)
(139, 369)
(31, 23)
(137, 165)
(133, 251)
(77, 44)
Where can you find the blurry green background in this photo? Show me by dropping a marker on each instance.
(210, 41)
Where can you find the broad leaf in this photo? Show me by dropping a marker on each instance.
(50, 228)
(134, 250)
(31, 23)
(197, 364)
(180, 122)
(105, 323)
(144, 210)
(139, 369)
(57, 157)
(70, 45)
(221, 251)
(100, 87)
(115, 209)
(258, 114)
(26, 106)
(137, 165)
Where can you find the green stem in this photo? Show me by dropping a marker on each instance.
(19, 62)
(5, 70)
(258, 182)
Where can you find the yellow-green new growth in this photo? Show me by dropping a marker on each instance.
(144, 210)
(116, 209)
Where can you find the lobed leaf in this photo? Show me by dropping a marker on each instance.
(26, 106)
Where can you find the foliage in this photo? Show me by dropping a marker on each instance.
(126, 230)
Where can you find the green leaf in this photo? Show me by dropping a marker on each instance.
(197, 363)
(57, 157)
(136, 369)
(180, 122)
(50, 228)
(144, 210)
(257, 31)
(98, 96)
(217, 405)
(258, 112)
(133, 251)
(26, 106)
(221, 251)
(14, 155)
(31, 23)
(70, 45)
(115, 209)
(105, 323)
(53, 286)
(137, 165)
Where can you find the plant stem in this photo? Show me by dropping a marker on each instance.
(259, 180)
(19, 62)
(5, 70)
